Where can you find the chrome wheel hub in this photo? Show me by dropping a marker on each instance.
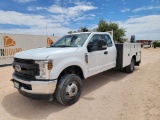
(71, 90)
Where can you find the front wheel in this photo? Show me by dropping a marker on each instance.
(130, 68)
(68, 89)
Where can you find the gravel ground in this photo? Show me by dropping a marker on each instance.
(111, 95)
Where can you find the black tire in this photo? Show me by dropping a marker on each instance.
(68, 89)
(130, 68)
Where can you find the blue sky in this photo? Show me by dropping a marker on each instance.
(46, 17)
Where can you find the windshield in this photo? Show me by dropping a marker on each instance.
(73, 40)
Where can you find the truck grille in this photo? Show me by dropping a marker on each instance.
(29, 69)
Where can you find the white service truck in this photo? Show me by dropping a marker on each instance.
(58, 70)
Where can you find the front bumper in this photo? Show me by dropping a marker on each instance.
(35, 87)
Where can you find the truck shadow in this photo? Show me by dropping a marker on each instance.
(97, 81)
(22, 107)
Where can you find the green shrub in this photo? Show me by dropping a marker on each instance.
(156, 44)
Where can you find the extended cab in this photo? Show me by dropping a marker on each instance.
(59, 69)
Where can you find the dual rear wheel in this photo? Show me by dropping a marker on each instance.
(130, 68)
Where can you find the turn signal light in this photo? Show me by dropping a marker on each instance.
(50, 65)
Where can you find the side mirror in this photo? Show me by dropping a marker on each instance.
(90, 47)
(102, 45)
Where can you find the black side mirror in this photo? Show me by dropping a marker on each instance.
(102, 45)
(90, 47)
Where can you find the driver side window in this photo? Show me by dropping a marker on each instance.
(108, 40)
(94, 41)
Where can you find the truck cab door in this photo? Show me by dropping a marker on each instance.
(108, 59)
(94, 56)
(101, 60)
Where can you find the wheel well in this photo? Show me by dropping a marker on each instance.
(72, 70)
(134, 57)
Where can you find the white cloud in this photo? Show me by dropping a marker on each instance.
(146, 27)
(77, 10)
(134, 16)
(36, 8)
(36, 24)
(16, 18)
(125, 10)
(75, 13)
(67, 14)
(89, 16)
(23, 1)
(146, 8)
(56, 9)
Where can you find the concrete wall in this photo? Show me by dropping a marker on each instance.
(12, 43)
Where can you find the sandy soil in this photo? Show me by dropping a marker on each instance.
(111, 95)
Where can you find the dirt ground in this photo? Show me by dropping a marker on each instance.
(111, 95)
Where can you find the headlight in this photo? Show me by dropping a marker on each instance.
(44, 67)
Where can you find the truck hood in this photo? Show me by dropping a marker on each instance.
(43, 53)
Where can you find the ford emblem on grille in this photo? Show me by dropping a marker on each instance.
(17, 68)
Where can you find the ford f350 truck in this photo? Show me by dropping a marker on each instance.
(58, 70)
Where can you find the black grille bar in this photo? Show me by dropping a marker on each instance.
(21, 75)
(27, 61)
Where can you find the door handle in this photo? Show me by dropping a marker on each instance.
(106, 52)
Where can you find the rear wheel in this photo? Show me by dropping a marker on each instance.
(68, 89)
(130, 68)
